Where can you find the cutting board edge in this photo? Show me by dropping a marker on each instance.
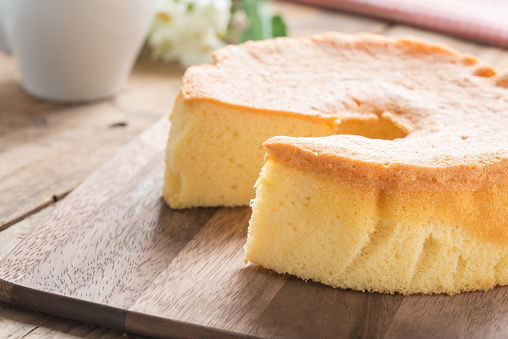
(6, 290)
(152, 325)
(107, 316)
(64, 306)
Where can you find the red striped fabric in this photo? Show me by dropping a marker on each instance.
(480, 20)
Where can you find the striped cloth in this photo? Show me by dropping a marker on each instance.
(484, 21)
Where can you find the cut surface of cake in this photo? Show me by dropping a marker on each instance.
(317, 219)
(389, 172)
(225, 111)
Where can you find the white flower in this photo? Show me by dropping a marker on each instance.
(188, 31)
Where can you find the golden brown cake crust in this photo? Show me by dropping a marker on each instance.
(453, 108)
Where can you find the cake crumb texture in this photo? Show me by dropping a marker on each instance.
(348, 236)
(214, 153)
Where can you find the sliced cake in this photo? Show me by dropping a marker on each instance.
(388, 172)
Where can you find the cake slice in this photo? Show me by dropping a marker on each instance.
(386, 170)
(351, 220)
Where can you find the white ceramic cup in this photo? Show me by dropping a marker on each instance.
(76, 50)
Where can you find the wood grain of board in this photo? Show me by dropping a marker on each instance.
(114, 254)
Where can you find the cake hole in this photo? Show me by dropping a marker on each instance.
(382, 125)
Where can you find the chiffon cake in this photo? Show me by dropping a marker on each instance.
(385, 160)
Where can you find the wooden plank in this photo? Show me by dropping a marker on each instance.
(56, 328)
(216, 276)
(47, 149)
(20, 322)
(10, 237)
(349, 314)
(119, 169)
(16, 322)
(466, 315)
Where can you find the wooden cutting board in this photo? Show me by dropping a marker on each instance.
(113, 254)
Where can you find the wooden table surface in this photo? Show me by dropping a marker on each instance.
(47, 149)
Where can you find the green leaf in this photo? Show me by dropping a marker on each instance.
(260, 22)
(260, 25)
(278, 26)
